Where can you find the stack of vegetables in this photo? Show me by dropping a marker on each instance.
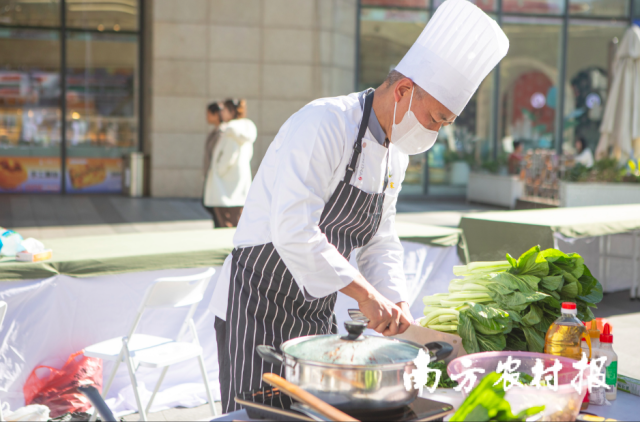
(509, 305)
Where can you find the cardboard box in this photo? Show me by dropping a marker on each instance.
(34, 257)
(421, 335)
(629, 385)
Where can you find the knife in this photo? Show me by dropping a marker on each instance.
(356, 315)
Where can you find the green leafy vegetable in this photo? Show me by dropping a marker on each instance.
(486, 402)
(445, 380)
(553, 282)
(509, 305)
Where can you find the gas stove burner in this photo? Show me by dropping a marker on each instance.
(269, 404)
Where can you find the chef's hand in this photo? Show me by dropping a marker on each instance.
(404, 307)
(385, 317)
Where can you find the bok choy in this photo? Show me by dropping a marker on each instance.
(509, 305)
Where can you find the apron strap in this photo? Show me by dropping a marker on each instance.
(386, 173)
(357, 147)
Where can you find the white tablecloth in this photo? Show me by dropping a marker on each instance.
(48, 320)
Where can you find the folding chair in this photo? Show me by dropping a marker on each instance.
(157, 352)
(3, 311)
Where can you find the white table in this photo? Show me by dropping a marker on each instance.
(49, 319)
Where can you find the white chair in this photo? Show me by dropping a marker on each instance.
(158, 352)
(3, 311)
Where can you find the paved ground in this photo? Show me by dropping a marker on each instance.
(50, 216)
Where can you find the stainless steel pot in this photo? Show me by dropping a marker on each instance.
(353, 372)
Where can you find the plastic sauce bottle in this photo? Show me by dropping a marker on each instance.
(594, 334)
(564, 336)
(611, 365)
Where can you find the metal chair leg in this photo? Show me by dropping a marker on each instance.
(134, 381)
(155, 390)
(212, 404)
(107, 386)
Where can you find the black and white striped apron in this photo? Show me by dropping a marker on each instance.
(266, 306)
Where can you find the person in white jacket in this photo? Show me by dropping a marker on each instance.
(229, 176)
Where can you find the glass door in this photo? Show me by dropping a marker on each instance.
(29, 109)
(102, 122)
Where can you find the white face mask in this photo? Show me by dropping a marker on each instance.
(409, 136)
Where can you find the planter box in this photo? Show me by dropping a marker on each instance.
(588, 194)
(460, 173)
(495, 189)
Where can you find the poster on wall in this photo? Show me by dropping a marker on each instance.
(94, 175)
(29, 174)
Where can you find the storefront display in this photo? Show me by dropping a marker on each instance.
(101, 95)
(29, 174)
(94, 175)
(519, 101)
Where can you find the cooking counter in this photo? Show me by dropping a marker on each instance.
(625, 408)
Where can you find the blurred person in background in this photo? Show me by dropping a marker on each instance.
(516, 157)
(584, 155)
(214, 118)
(229, 177)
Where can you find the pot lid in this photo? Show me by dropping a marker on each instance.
(354, 349)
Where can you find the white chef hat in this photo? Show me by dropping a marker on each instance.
(454, 53)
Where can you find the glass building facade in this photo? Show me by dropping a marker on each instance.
(550, 89)
(69, 93)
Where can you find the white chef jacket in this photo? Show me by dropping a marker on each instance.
(300, 171)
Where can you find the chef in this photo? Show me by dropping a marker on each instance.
(328, 186)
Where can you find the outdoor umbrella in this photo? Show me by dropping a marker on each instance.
(620, 126)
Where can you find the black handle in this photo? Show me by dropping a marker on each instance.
(309, 412)
(270, 355)
(440, 349)
(355, 329)
(96, 400)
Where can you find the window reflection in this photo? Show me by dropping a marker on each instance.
(397, 3)
(101, 93)
(30, 12)
(550, 7)
(528, 84)
(466, 144)
(614, 8)
(386, 34)
(528, 91)
(486, 5)
(103, 15)
(385, 37)
(29, 111)
(591, 49)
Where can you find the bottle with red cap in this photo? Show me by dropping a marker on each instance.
(611, 364)
(565, 334)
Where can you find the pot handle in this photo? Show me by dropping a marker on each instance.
(306, 410)
(270, 355)
(440, 349)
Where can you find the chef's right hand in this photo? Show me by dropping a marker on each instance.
(385, 317)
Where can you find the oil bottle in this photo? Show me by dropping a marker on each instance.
(594, 333)
(565, 334)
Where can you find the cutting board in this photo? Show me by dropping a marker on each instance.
(422, 335)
